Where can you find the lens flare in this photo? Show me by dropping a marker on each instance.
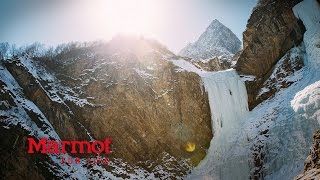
(190, 147)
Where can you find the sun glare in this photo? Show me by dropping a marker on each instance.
(126, 16)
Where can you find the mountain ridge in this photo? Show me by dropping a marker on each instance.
(216, 40)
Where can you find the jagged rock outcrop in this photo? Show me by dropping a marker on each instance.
(212, 64)
(272, 30)
(312, 163)
(127, 89)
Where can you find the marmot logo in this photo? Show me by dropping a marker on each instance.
(46, 146)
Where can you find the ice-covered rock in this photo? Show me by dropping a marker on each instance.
(307, 102)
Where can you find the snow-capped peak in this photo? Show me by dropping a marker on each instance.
(215, 23)
(217, 40)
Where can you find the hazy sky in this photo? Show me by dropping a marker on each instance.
(172, 22)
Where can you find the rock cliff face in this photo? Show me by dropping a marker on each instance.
(283, 74)
(272, 30)
(144, 100)
(212, 64)
(127, 89)
(57, 113)
(312, 163)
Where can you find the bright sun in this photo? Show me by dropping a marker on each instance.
(126, 16)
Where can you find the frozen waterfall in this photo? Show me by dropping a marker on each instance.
(229, 108)
(311, 21)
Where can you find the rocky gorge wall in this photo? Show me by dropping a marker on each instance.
(127, 90)
(272, 30)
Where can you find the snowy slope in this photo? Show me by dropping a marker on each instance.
(19, 115)
(52, 86)
(217, 40)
